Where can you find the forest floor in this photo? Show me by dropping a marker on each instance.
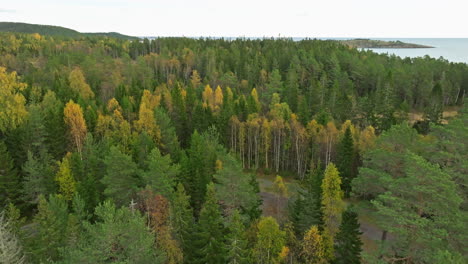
(277, 207)
(449, 113)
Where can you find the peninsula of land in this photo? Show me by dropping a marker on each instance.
(382, 44)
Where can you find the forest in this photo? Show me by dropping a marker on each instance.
(183, 150)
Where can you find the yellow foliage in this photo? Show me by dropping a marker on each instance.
(367, 139)
(65, 180)
(150, 100)
(332, 199)
(279, 187)
(195, 80)
(78, 84)
(218, 96)
(147, 123)
(12, 103)
(112, 105)
(73, 117)
(312, 246)
(218, 165)
(284, 253)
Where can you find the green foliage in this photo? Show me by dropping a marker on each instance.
(233, 187)
(53, 30)
(270, 241)
(38, 178)
(142, 118)
(161, 174)
(52, 229)
(208, 243)
(346, 161)
(198, 168)
(182, 219)
(412, 198)
(121, 178)
(348, 244)
(118, 235)
(9, 180)
(238, 251)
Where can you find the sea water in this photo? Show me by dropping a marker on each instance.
(451, 49)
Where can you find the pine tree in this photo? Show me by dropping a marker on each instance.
(236, 241)
(332, 199)
(10, 249)
(208, 243)
(121, 177)
(182, 219)
(233, 186)
(117, 235)
(51, 220)
(347, 241)
(161, 173)
(345, 164)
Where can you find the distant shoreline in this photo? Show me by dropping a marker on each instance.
(382, 44)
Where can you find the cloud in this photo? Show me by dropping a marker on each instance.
(3, 10)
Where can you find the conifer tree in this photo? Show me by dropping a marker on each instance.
(182, 219)
(10, 184)
(345, 164)
(307, 209)
(38, 178)
(208, 243)
(118, 235)
(236, 241)
(347, 241)
(233, 186)
(11, 250)
(121, 178)
(51, 220)
(161, 173)
(198, 169)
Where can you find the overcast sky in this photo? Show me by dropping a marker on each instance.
(250, 18)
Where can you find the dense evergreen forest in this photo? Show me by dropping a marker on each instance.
(16, 27)
(179, 150)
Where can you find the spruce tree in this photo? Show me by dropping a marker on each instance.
(161, 173)
(236, 241)
(198, 169)
(9, 179)
(345, 162)
(182, 219)
(208, 242)
(347, 241)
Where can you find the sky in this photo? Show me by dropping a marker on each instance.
(249, 18)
